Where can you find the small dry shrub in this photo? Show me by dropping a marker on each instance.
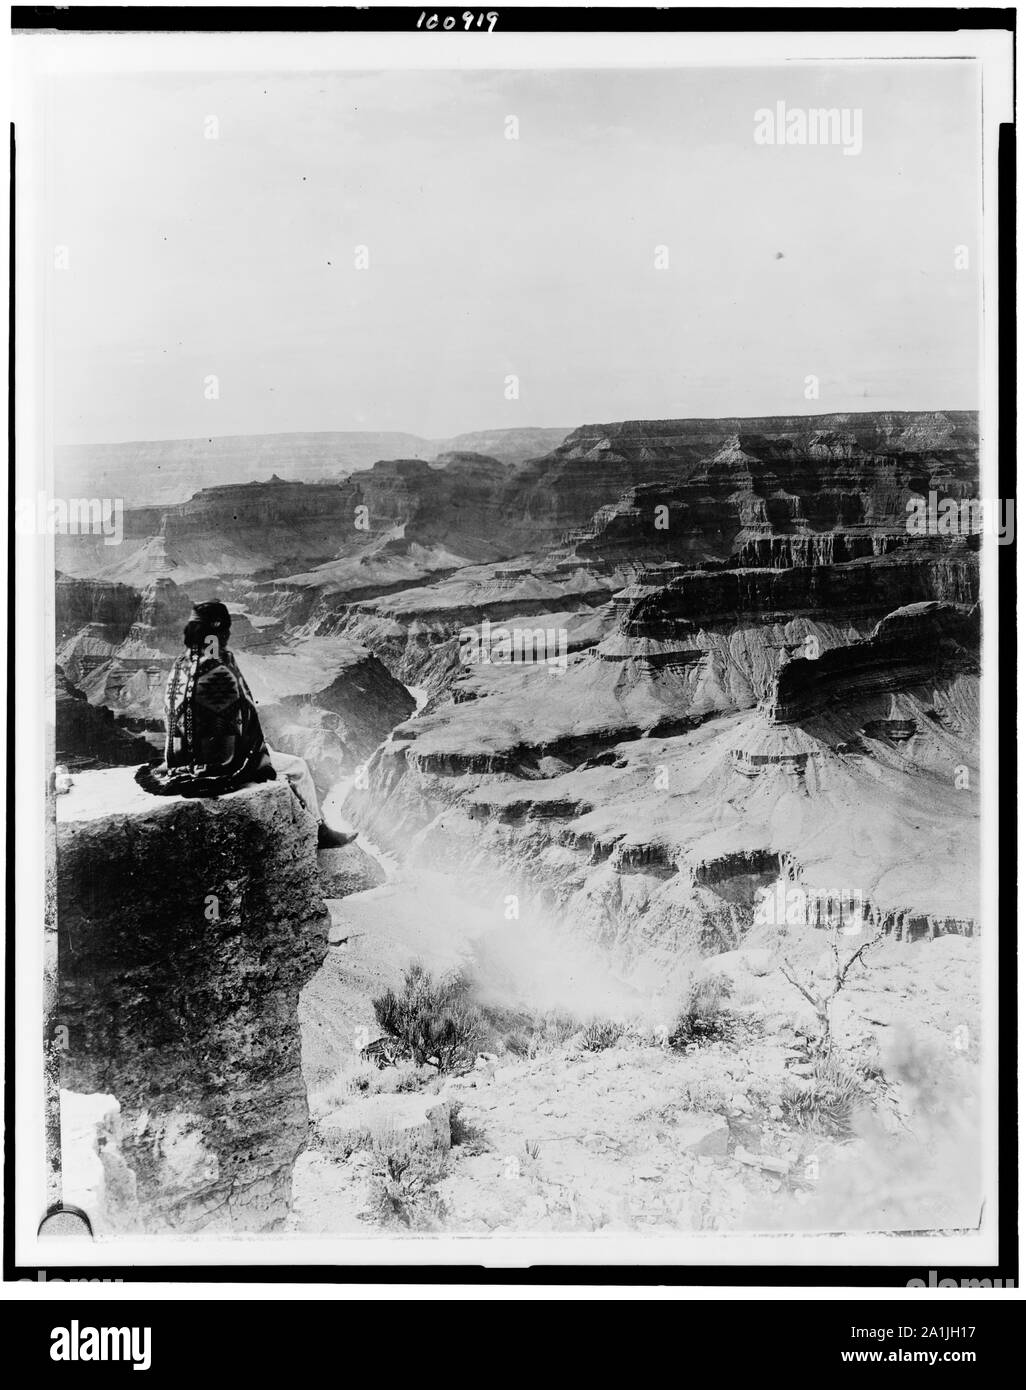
(463, 1133)
(341, 1086)
(435, 1019)
(402, 1195)
(600, 1034)
(825, 1103)
(703, 1019)
(558, 1027)
(523, 1032)
(506, 1029)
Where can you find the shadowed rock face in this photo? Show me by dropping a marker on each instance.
(337, 727)
(186, 930)
(811, 496)
(255, 531)
(348, 870)
(81, 601)
(116, 643)
(87, 735)
(946, 571)
(920, 644)
(773, 474)
(235, 529)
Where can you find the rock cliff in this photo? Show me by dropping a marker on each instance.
(920, 644)
(167, 471)
(186, 931)
(723, 475)
(87, 736)
(649, 846)
(723, 481)
(340, 721)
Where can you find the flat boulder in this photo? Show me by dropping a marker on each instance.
(347, 870)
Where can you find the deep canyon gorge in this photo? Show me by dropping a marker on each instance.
(764, 679)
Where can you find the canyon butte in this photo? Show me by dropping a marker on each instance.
(743, 671)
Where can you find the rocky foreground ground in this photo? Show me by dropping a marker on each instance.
(605, 1125)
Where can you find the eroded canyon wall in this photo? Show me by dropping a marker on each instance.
(186, 930)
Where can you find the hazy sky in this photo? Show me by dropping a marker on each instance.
(489, 257)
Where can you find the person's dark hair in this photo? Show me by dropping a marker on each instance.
(214, 616)
(196, 632)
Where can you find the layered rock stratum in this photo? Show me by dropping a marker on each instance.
(168, 470)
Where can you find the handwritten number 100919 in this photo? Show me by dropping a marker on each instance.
(470, 18)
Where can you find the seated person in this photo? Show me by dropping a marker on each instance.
(214, 743)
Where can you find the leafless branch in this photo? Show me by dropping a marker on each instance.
(816, 1003)
(857, 955)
